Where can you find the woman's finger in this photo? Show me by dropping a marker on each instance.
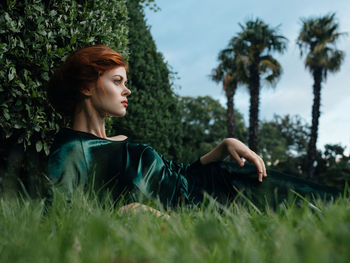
(259, 166)
(263, 163)
(237, 158)
(263, 166)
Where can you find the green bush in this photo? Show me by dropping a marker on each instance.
(35, 37)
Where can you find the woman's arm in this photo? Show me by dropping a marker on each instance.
(237, 150)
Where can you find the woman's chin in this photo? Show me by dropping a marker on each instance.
(119, 114)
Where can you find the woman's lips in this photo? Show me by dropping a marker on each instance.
(125, 103)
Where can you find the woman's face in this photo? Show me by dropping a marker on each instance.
(109, 97)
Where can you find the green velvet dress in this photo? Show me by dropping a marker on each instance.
(128, 168)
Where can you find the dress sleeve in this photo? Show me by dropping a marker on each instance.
(67, 167)
(154, 176)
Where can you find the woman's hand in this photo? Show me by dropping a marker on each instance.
(137, 207)
(237, 150)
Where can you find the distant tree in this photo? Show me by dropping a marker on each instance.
(154, 114)
(317, 39)
(296, 132)
(272, 144)
(203, 122)
(253, 47)
(283, 143)
(228, 73)
(333, 167)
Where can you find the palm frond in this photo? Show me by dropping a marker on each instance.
(317, 40)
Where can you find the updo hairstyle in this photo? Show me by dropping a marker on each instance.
(81, 68)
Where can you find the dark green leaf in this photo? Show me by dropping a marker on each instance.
(11, 74)
(38, 146)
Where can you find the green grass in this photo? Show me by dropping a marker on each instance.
(84, 230)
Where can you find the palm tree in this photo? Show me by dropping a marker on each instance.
(317, 38)
(253, 48)
(227, 73)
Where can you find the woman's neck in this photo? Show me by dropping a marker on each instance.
(86, 119)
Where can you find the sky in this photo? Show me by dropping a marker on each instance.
(191, 33)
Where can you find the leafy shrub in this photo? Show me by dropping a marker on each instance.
(35, 37)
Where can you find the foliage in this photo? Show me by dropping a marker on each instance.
(318, 38)
(334, 166)
(273, 145)
(35, 37)
(154, 113)
(204, 126)
(282, 137)
(283, 143)
(87, 231)
(151, 4)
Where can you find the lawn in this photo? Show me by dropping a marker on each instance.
(86, 230)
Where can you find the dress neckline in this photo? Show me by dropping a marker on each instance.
(87, 134)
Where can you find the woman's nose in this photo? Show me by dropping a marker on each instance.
(127, 92)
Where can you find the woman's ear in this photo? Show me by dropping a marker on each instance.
(87, 90)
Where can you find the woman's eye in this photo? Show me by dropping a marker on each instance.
(118, 81)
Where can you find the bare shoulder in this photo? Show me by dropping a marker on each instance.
(118, 138)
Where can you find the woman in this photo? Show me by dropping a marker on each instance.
(91, 85)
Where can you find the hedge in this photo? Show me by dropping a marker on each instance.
(35, 37)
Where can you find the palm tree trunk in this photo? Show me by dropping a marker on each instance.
(254, 89)
(315, 121)
(230, 93)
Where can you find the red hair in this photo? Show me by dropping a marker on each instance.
(80, 69)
